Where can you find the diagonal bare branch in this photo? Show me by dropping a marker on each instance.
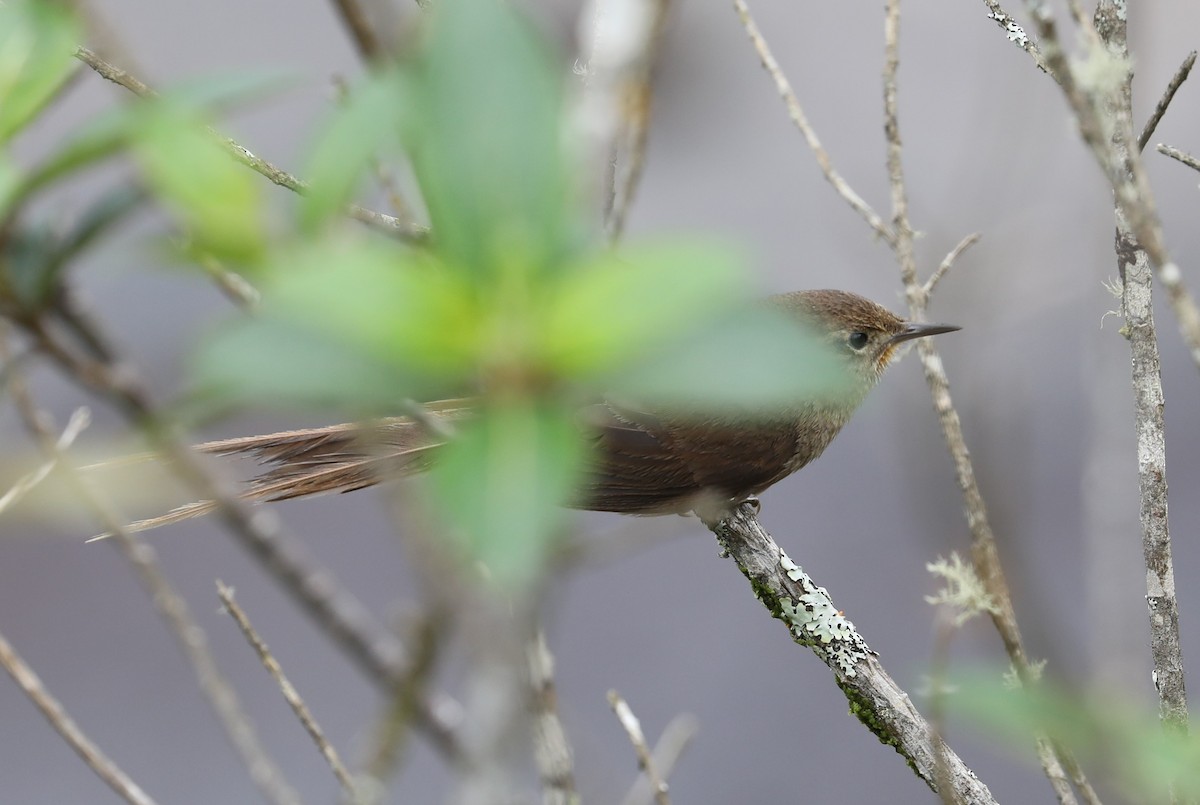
(388, 224)
(796, 113)
(1160, 108)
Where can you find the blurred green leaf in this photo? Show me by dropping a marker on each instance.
(37, 255)
(103, 215)
(1107, 733)
(97, 139)
(10, 182)
(218, 199)
(396, 305)
(37, 43)
(24, 281)
(502, 482)
(366, 123)
(368, 303)
(484, 132)
(282, 363)
(213, 95)
(750, 360)
(622, 304)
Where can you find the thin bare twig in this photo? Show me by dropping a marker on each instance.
(391, 736)
(64, 725)
(1181, 156)
(946, 627)
(79, 420)
(338, 613)
(237, 289)
(355, 20)
(948, 262)
(1168, 95)
(796, 112)
(622, 39)
(633, 728)
(191, 637)
(984, 551)
(551, 748)
(638, 110)
(675, 739)
(290, 694)
(403, 230)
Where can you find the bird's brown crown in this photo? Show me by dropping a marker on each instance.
(831, 310)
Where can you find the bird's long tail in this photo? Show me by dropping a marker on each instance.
(315, 461)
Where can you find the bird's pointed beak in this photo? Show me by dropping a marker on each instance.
(915, 329)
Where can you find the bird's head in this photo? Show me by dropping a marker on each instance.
(864, 335)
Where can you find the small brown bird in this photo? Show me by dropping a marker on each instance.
(646, 462)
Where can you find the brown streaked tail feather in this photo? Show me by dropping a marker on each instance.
(315, 461)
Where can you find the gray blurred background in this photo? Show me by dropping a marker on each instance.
(1041, 381)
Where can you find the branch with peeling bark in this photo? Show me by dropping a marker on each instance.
(1104, 116)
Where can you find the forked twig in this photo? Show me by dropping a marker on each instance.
(796, 113)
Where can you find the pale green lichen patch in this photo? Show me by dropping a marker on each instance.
(1102, 71)
(1015, 32)
(793, 570)
(814, 621)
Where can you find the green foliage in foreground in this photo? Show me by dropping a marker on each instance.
(1147, 762)
(512, 302)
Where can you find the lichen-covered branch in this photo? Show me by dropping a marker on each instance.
(1103, 112)
(1015, 33)
(812, 620)
(1104, 122)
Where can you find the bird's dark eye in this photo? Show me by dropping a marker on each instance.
(857, 341)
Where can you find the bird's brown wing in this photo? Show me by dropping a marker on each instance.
(636, 470)
(646, 465)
